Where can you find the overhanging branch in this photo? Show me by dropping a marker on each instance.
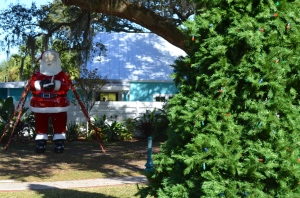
(137, 14)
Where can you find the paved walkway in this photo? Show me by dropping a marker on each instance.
(11, 185)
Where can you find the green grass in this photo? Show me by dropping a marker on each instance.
(124, 191)
(80, 160)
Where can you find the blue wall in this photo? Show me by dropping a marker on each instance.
(16, 93)
(139, 91)
(144, 91)
(3, 93)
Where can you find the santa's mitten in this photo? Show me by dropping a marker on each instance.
(47, 85)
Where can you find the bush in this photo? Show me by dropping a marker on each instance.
(114, 131)
(129, 123)
(73, 131)
(24, 129)
(153, 123)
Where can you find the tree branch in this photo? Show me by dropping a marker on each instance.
(137, 14)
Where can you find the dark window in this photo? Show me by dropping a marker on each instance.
(160, 99)
(107, 96)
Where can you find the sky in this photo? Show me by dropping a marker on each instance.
(5, 3)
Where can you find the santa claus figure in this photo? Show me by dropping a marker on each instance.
(49, 89)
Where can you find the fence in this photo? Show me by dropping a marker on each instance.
(122, 109)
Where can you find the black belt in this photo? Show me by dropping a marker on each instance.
(45, 95)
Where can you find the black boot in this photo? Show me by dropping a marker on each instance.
(40, 146)
(59, 146)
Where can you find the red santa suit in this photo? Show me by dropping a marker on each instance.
(49, 89)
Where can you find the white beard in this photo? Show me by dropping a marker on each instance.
(55, 67)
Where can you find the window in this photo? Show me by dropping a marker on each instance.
(107, 96)
(162, 97)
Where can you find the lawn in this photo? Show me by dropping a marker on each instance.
(120, 191)
(80, 160)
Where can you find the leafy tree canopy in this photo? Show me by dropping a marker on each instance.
(162, 17)
(68, 30)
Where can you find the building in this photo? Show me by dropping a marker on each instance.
(137, 67)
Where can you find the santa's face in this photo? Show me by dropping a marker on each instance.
(50, 63)
(49, 58)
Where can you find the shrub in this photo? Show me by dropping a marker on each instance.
(73, 131)
(25, 130)
(130, 125)
(153, 123)
(112, 131)
(24, 125)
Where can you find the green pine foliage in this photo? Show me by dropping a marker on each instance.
(234, 126)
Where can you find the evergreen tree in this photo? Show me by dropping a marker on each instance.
(234, 126)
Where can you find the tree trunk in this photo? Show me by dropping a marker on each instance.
(21, 69)
(138, 14)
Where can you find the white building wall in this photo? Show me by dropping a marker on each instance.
(122, 109)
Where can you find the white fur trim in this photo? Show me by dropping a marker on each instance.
(57, 85)
(41, 137)
(49, 109)
(37, 85)
(61, 136)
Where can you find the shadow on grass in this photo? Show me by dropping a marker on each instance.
(49, 191)
(84, 160)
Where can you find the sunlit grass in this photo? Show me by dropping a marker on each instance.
(124, 191)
